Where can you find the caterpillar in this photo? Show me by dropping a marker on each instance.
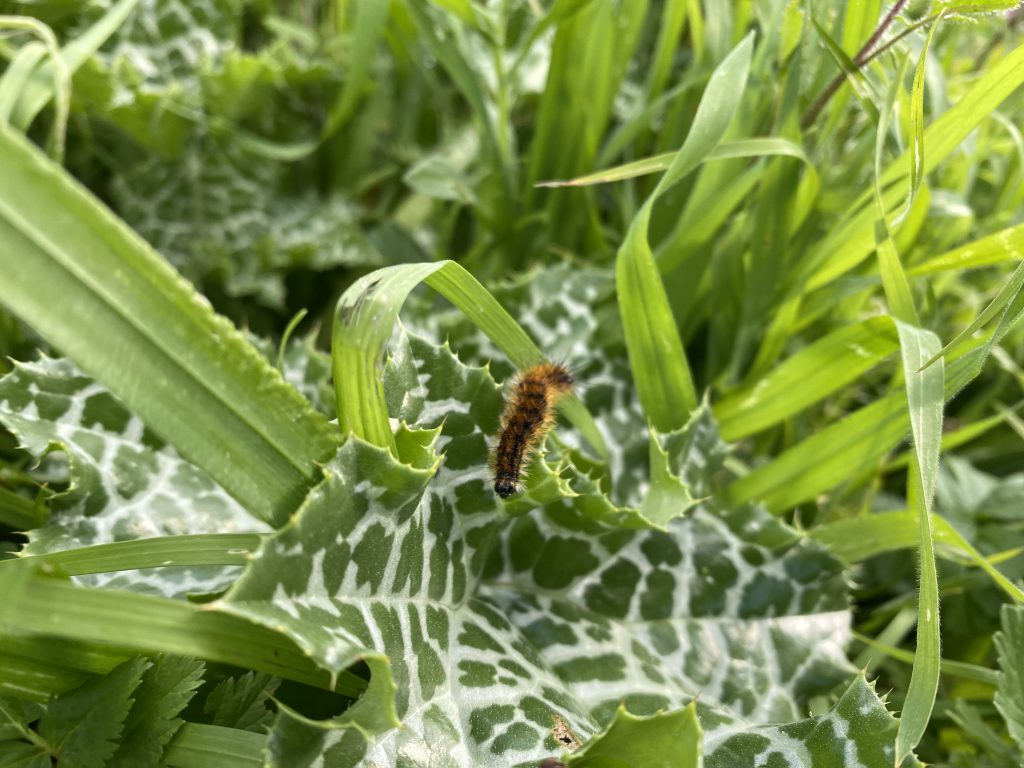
(529, 414)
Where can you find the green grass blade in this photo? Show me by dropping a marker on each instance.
(959, 669)
(809, 376)
(17, 512)
(196, 549)
(37, 604)
(367, 31)
(854, 540)
(849, 244)
(196, 745)
(131, 322)
(999, 247)
(41, 88)
(663, 379)
(894, 280)
(925, 399)
(363, 323)
(727, 150)
(1009, 301)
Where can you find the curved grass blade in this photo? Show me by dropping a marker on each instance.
(363, 322)
(135, 325)
(663, 379)
(727, 150)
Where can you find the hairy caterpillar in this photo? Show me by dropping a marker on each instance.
(529, 414)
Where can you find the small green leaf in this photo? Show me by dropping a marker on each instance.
(82, 726)
(1010, 695)
(662, 740)
(167, 687)
(240, 702)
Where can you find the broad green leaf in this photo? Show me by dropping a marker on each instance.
(82, 726)
(662, 375)
(254, 434)
(466, 604)
(167, 686)
(126, 484)
(1010, 696)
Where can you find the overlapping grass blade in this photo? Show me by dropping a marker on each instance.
(130, 321)
(663, 379)
(363, 323)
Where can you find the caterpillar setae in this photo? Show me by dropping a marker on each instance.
(529, 414)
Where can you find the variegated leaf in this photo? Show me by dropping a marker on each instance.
(125, 483)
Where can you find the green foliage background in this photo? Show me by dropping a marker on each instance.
(245, 504)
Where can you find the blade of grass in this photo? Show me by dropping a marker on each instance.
(367, 31)
(196, 745)
(1005, 245)
(854, 540)
(363, 322)
(807, 377)
(727, 150)
(195, 549)
(951, 668)
(849, 244)
(925, 400)
(663, 379)
(841, 451)
(37, 604)
(1009, 301)
(193, 377)
(17, 512)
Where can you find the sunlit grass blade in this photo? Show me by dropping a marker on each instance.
(363, 323)
(809, 376)
(192, 377)
(894, 280)
(999, 247)
(367, 30)
(663, 379)
(727, 150)
(925, 400)
(850, 243)
(1009, 301)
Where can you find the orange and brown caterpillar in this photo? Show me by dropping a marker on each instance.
(529, 414)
